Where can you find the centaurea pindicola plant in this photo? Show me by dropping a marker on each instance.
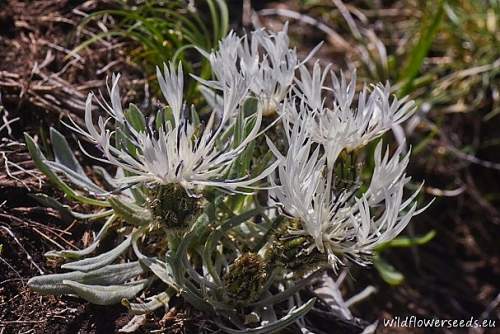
(198, 205)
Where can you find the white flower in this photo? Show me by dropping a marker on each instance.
(264, 58)
(223, 62)
(180, 151)
(344, 223)
(343, 126)
(277, 68)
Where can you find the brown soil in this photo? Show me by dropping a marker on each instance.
(39, 85)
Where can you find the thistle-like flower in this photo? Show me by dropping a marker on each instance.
(343, 222)
(180, 151)
(263, 58)
(343, 126)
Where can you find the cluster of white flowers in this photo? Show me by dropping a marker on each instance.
(264, 59)
(344, 222)
(343, 126)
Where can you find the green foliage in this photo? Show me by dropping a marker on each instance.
(163, 31)
(221, 249)
(80, 180)
(408, 242)
(418, 53)
(462, 34)
(387, 271)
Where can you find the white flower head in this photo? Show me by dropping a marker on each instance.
(343, 125)
(181, 151)
(343, 222)
(262, 57)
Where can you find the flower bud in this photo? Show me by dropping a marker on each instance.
(245, 278)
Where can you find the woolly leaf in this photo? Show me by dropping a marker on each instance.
(40, 162)
(154, 303)
(66, 213)
(99, 261)
(130, 212)
(76, 254)
(68, 164)
(63, 153)
(287, 320)
(106, 295)
(113, 274)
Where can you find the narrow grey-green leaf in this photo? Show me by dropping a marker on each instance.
(63, 153)
(66, 213)
(40, 162)
(130, 212)
(134, 191)
(67, 163)
(194, 299)
(106, 295)
(99, 261)
(287, 320)
(64, 210)
(113, 274)
(77, 254)
(79, 180)
(153, 304)
(159, 268)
